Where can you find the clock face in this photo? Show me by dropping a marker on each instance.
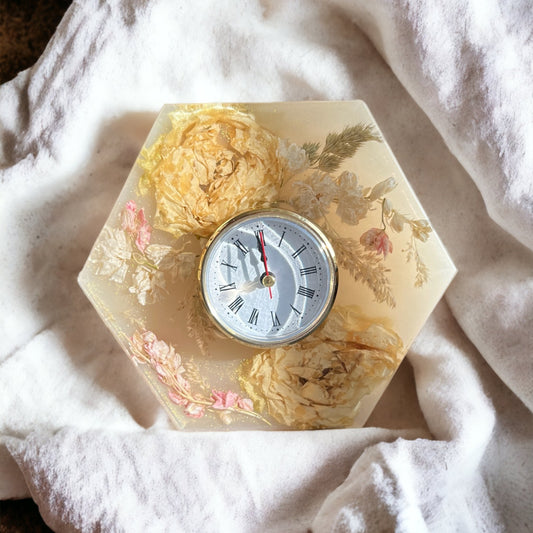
(268, 277)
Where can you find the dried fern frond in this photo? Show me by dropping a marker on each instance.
(341, 146)
(422, 271)
(346, 143)
(329, 162)
(199, 327)
(195, 376)
(311, 149)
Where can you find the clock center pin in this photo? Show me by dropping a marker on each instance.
(268, 280)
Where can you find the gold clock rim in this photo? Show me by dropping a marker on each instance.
(276, 212)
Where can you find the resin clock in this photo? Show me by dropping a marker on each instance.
(268, 277)
(197, 244)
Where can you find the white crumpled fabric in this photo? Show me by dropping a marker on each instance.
(450, 83)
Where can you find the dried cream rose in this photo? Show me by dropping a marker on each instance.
(214, 162)
(320, 382)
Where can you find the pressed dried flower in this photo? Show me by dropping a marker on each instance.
(112, 255)
(421, 229)
(194, 410)
(177, 263)
(178, 399)
(128, 217)
(212, 162)
(376, 240)
(382, 188)
(143, 235)
(319, 382)
(366, 267)
(313, 196)
(352, 205)
(149, 285)
(245, 404)
(397, 221)
(294, 156)
(146, 348)
(134, 223)
(224, 399)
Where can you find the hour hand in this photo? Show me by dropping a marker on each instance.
(260, 244)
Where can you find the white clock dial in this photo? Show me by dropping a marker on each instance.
(268, 277)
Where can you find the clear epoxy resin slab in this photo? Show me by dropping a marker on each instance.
(201, 166)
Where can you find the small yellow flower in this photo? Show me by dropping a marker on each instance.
(214, 162)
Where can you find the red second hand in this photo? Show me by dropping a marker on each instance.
(265, 260)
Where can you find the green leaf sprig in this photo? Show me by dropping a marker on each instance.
(339, 146)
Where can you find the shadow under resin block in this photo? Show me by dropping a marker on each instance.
(180, 276)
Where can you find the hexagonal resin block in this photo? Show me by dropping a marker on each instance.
(200, 166)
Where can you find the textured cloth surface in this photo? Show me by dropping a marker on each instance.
(449, 83)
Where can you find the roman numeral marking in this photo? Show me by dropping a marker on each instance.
(305, 291)
(297, 311)
(281, 240)
(299, 251)
(275, 319)
(241, 247)
(228, 265)
(308, 270)
(228, 287)
(260, 236)
(236, 304)
(254, 316)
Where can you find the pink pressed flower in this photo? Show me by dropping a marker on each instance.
(377, 240)
(148, 337)
(134, 222)
(177, 398)
(195, 410)
(219, 397)
(157, 350)
(231, 398)
(161, 374)
(128, 217)
(183, 383)
(143, 237)
(224, 400)
(245, 403)
(148, 340)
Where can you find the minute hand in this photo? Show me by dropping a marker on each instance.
(264, 259)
